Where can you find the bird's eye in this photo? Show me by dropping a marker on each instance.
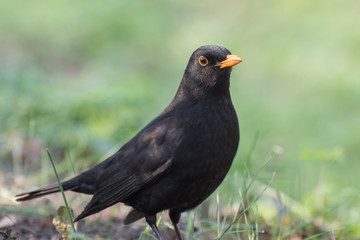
(203, 61)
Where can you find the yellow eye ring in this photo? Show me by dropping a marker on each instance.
(203, 61)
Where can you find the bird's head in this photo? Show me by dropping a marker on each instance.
(208, 71)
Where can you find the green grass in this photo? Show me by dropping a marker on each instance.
(62, 193)
(82, 78)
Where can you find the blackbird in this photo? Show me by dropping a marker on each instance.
(176, 161)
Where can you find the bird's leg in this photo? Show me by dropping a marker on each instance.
(151, 220)
(175, 218)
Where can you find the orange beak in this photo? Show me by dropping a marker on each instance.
(230, 61)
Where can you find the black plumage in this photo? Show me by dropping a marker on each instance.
(177, 160)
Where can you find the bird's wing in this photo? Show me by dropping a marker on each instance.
(138, 163)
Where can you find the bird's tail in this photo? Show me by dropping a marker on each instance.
(68, 185)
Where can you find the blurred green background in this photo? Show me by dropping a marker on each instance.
(82, 77)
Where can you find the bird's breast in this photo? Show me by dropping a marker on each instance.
(211, 137)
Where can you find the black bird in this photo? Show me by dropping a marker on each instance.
(176, 161)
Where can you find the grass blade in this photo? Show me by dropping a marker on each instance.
(246, 209)
(62, 191)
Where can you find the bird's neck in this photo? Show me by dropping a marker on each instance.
(198, 92)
